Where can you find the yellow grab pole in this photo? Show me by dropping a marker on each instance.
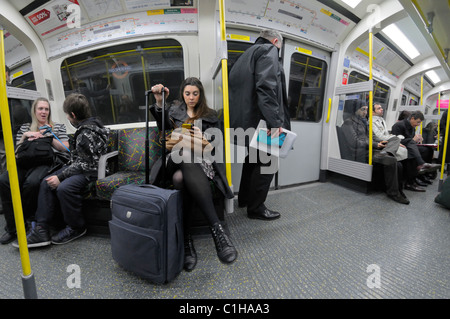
(226, 110)
(439, 122)
(329, 110)
(370, 106)
(421, 100)
(28, 282)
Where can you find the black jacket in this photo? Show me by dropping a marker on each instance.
(404, 128)
(89, 144)
(257, 88)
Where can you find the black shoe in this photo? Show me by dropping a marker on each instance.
(402, 194)
(266, 214)
(67, 235)
(414, 187)
(37, 237)
(225, 249)
(427, 168)
(8, 237)
(421, 183)
(424, 179)
(399, 199)
(190, 255)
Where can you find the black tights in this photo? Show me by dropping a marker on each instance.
(190, 178)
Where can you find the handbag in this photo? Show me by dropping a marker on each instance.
(35, 153)
(185, 139)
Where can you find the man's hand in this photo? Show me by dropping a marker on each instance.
(276, 132)
(53, 181)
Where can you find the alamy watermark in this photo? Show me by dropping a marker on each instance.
(374, 279)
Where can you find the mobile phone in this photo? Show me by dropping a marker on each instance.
(187, 125)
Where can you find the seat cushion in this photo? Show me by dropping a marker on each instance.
(106, 186)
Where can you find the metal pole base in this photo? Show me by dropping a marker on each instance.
(29, 287)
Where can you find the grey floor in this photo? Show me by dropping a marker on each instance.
(331, 242)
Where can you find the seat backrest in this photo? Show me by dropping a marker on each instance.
(131, 147)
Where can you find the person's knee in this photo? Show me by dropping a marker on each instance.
(177, 179)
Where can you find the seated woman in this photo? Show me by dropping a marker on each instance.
(194, 177)
(30, 177)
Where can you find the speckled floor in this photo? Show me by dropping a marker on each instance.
(330, 242)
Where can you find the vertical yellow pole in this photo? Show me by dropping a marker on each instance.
(110, 95)
(226, 114)
(421, 100)
(439, 122)
(370, 106)
(27, 275)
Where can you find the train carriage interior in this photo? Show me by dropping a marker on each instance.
(338, 230)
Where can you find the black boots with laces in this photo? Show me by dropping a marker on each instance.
(190, 255)
(225, 249)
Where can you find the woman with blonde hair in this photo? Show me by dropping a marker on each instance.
(31, 173)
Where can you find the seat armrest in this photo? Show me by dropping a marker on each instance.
(102, 163)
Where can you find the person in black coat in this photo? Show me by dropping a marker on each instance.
(257, 90)
(355, 131)
(193, 173)
(415, 162)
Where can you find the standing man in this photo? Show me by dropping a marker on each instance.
(62, 191)
(258, 92)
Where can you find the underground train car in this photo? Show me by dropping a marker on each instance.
(342, 233)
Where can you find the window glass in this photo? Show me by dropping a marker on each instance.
(235, 49)
(115, 79)
(20, 112)
(352, 126)
(381, 92)
(25, 82)
(306, 88)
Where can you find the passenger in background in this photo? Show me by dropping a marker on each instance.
(381, 134)
(194, 178)
(61, 192)
(407, 128)
(429, 133)
(442, 137)
(2, 144)
(258, 92)
(403, 115)
(30, 177)
(356, 133)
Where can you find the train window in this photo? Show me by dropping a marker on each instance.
(115, 78)
(20, 113)
(381, 92)
(235, 49)
(25, 82)
(306, 88)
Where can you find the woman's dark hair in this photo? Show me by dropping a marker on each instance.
(77, 104)
(201, 109)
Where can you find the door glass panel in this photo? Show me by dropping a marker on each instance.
(306, 88)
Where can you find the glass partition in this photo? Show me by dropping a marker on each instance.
(352, 127)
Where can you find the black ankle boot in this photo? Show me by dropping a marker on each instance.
(225, 249)
(190, 255)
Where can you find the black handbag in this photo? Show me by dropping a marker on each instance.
(35, 153)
